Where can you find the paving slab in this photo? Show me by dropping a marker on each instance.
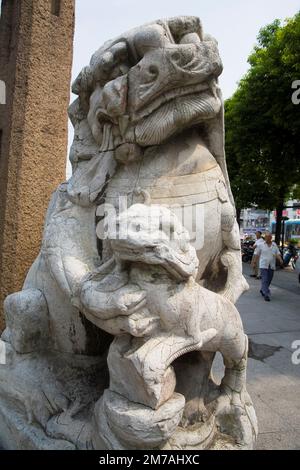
(273, 379)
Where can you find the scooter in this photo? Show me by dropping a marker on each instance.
(291, 254)
(247, 252)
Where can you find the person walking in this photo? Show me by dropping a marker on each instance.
(255, 259)
(268, 253)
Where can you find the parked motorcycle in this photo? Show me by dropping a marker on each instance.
(247, 251)
(290, 255)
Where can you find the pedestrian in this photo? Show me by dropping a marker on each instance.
(268, 253)
(255, 259)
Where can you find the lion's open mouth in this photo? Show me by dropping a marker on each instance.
(163, 98)
(176, 115)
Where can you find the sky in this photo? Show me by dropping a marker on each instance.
(234, 23)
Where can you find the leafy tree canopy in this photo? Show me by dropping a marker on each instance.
(263, 124)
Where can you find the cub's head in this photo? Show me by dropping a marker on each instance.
(153, 235)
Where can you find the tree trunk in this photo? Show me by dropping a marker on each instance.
(279, 211)
(238, 216)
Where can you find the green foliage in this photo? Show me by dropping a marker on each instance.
(262, 123)
(295, 193)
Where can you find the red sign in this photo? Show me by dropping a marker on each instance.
(284, 213)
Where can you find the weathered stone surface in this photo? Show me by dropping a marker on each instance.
(27, 321)
(139, 267)
(123, 424)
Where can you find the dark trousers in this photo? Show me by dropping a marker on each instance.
(266, 279)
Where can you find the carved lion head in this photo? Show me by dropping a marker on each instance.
(145, 86)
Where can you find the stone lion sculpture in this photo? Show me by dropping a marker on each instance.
(173, 316)
(148, 128)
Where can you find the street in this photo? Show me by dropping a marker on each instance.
(273, 380)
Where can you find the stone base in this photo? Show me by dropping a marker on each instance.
(40, 390)
(50, 401)
(17, 434)
(65, 433)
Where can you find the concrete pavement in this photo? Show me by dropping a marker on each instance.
(273, 380)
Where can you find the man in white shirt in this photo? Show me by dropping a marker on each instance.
(255, 259)
(268, 252)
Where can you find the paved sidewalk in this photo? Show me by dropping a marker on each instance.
(273, 381)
